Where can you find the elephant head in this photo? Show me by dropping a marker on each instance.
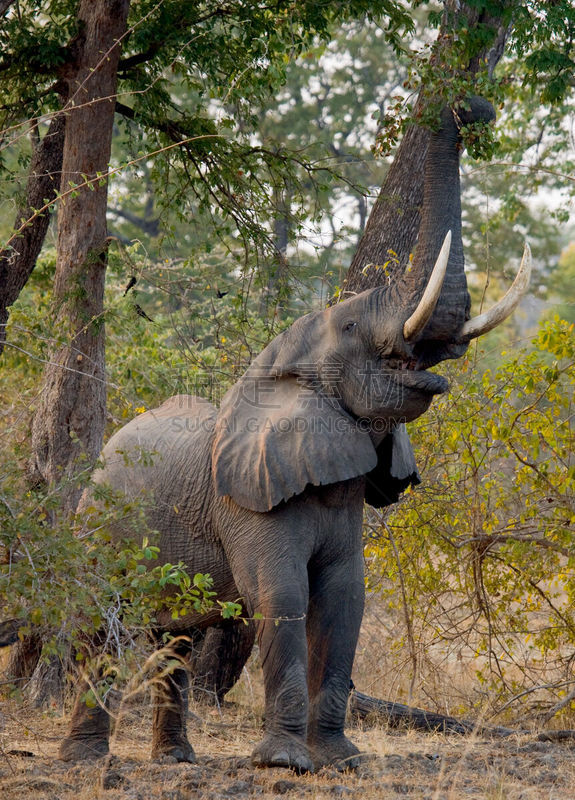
(326, 400)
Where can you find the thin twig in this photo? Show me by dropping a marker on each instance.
(408, 623)
(532, 689)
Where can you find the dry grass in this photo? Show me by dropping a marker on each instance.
(410, 764)
(414, 765)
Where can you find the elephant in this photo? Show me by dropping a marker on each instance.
(266, 494)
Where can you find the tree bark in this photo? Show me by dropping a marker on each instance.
(23, 659)
(19, 259)
(5, 5)
(8, 632)
(391, 230)
(68, 425)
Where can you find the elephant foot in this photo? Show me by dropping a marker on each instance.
(181, 751)
(282, 750)
(336, 751)
(82, 748)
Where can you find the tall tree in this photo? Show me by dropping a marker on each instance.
(69, 421)
(70, 417)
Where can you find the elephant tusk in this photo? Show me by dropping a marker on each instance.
(422, 314)
(501, 310)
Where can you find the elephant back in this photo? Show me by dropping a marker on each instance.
(158, 466)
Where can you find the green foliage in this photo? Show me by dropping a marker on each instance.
(192, 81)
(485, 549)
(244, 126)
(75, 585)
(78, 583)
(533, 79)
(207, 325)
(191, 340)
(562, 284)
(544, 36)
(479, 140)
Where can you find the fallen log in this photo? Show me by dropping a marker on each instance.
(398, 715)
(556, 736)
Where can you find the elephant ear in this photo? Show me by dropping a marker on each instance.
(275, 436)
(395, 470)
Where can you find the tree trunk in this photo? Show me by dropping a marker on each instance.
(278, 268)
(19, 259)
(392, 226)
(68, 426)
(47, 682)
(23, 659)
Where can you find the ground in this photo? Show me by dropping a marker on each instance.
(409, 764)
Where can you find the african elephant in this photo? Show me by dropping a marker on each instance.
(267, 493)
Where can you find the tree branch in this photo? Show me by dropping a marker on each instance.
(18, 260)
(126, 64)
(149, 226)
(171, 128)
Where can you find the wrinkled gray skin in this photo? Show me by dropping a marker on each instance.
(267, 495)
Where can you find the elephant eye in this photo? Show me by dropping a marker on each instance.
(349, 326)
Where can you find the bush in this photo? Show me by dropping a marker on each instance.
(484, 551)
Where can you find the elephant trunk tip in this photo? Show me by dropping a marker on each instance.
(475, 109)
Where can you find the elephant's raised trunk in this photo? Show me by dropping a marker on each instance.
(442, 213)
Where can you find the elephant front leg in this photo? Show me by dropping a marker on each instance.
(334, 619)
(282, 642)
(268, 554)
(170, 707)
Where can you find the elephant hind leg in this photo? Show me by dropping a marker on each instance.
(88, 732)
(224, 653)
(170, 701)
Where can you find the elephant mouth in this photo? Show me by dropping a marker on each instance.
(406, 374)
